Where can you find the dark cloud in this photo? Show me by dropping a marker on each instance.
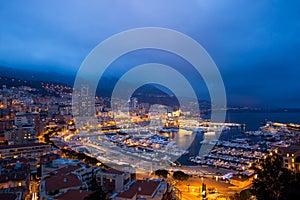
(255, 44)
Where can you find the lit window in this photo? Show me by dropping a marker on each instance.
(19, 184)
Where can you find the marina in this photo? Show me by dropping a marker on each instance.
(241, 153)
(230, 147)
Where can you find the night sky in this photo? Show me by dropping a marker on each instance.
(254, 43)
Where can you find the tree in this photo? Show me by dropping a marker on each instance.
(98, 193)
(236, 196)
(162, 173)
(293, 191)
(47, 138)
(245, 195)
(273, 181)
(180, 175)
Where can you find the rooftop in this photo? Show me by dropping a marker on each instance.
(140, 187)
(67, 169)
(13, 177)
(74, 194)
(291, 149)
(59, 182)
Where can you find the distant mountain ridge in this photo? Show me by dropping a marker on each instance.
(46, 76)
(35, 78)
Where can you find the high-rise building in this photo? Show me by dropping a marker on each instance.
(32, 119)
(25, 134)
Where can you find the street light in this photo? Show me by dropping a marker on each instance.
(203, 190)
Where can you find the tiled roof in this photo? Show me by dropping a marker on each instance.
(290, 149)
(12, 177)
(59, 182)
(140, 187)
(74, 195)
(68, 169)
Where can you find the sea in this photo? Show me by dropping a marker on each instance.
(253, 120)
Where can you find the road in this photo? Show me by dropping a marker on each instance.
(34, 190)
(192, 188)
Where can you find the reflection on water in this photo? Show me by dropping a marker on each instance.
(188, 140)
(195, 144)
(184, 139)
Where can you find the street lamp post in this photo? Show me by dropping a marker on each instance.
(203, 190)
